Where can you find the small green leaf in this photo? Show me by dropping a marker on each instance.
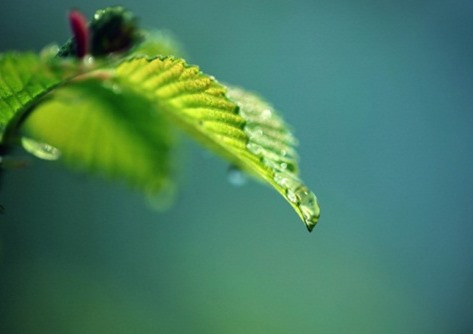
(239, 126)
(105, 129)
(24, 77)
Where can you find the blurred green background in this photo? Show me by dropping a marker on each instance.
(379, 94)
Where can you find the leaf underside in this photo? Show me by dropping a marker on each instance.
(106, 130)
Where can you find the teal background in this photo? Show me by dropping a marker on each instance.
(379, 94)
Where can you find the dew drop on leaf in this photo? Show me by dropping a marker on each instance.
(254, 132)
(40, 150)
(254, 148)
(113, 87)
(307, 203)
(291, 195)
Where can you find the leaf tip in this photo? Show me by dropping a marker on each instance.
(310, 223)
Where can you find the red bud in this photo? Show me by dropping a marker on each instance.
(80, 31)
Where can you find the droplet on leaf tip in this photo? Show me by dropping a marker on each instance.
(308, 206)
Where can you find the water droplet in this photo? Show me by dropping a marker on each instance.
(236, 176)
(88, 60)
(291, 195)
(308, 206)
(254, 132)
(116, 89)
(280, 179)
(254, 148)
(301, 197)
(266, 113)
(279, 166)
(40, 150)
(286, 180)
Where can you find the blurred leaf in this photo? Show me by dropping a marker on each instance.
(105, 129)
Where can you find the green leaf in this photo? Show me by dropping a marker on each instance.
(24, 78)
(240, 127)
(105, 129)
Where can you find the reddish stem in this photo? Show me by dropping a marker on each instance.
(80, 30)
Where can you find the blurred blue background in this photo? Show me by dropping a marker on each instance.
(379, 94)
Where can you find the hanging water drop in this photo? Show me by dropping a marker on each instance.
(301, 198)
(308, 206)
(236, 176)
(40, 150)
